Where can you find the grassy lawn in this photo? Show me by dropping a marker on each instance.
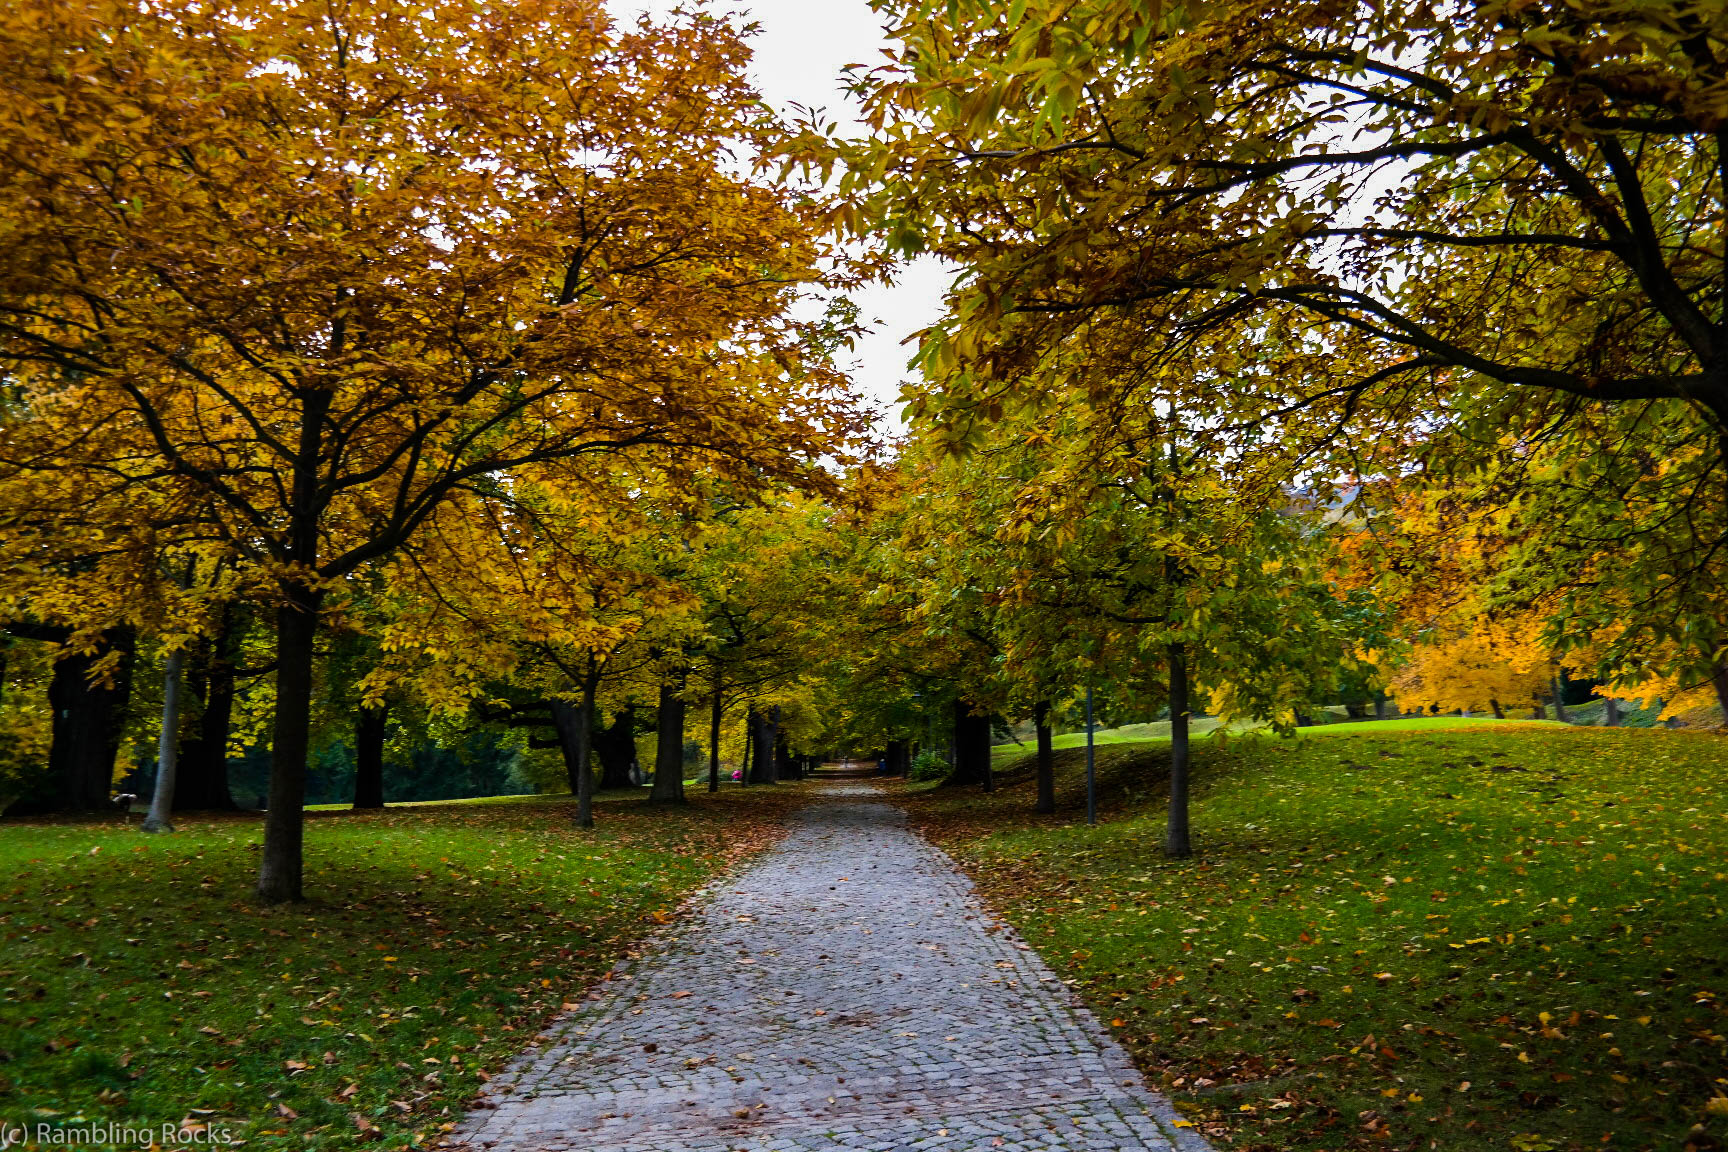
(140, 984)
(1428, 934)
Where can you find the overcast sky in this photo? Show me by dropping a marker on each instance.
(800, 51)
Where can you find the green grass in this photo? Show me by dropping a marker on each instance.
(1428, 934)
(141, 984)
(1159, 730)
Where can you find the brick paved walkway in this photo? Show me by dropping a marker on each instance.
(847, 992)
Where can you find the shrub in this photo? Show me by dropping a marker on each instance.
(930, 765)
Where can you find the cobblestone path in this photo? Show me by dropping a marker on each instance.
(846, 992)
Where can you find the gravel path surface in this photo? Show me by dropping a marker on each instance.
(847, 992)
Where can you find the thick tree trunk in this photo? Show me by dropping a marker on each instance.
(716, 706)
(370, 726)
(280, 870)
(203, 775)
(1046, 758)
(896, 757)
(1560, 701)
(1610, 712)
(1499, 713)
(785, 767)
(669, 747)
(1719, 681)
(1176, 843)
(167, 746)
(1380, 708)
(87, 726)
(971, 747)
(617, 748)
(763, 737)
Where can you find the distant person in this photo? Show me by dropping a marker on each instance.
(882, 766)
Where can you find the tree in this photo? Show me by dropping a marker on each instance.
(346, 264)
(1403, 234)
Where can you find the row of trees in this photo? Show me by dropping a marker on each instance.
(436, 335)
(1285, 337)
(446, 363)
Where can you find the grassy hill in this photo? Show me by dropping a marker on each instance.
(1459, 935)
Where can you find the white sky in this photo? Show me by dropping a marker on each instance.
(800, 51)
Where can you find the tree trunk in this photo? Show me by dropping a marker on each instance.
(617, 748)
(574, 724)
(1538, 712)
(669, 746)
(1046, 758)
(369, 731)
(87, 726)
(280, 870)
(1719, 681)
(749, 747)
(1176, 843)
(971, 747)
(785, 767)
(1560, 701)
(716, 707)
(1610, 712)
(765, 736)
(281, 867)
(896, 757)
(1499, 713)
(203, 774)
(564, 720)
(167, 746)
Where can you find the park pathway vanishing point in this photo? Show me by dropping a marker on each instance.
(848, 991)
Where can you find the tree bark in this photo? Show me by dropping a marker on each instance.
(1560, 701)
(203, 775)
(87, 726)
(1380, 708)
(785, 767)
(1046, 758)
(1719, 681)
(574, 724)
(1610, 712)
(896, 757)
(369, 731)
(167, 746)
(762, 749)
(971, 747)
(1499, 713)
(281, 866)
(280, 871)
(617, 748)
(669, 746)
(749, 747)
(716, 707)
(1176, 841)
